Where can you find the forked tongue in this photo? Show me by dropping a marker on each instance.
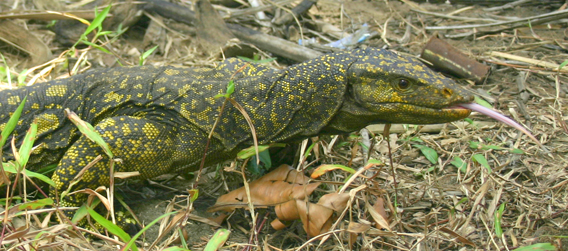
(498, 116)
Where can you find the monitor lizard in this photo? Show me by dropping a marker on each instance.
(157, 119)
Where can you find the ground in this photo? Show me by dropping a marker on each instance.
(433, 206)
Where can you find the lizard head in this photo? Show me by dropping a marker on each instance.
(399, 89)
(384, 87)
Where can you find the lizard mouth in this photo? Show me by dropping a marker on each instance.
(457, 109)
(416, 114)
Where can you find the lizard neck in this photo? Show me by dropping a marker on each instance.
(349, 119)
(291, 104)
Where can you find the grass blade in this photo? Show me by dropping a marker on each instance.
(11, 125)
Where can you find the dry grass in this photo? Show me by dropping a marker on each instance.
(435, 206)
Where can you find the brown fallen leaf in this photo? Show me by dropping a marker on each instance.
(279, 186)
(336, 201)
(286, 173)
(277, 224)
(379, 206)
(219, 219)
(457, 236)
(287, 190)
(287, 211)
(357, 228)
(379, 219)
(17, 233)
(320, 170)
(264, 194)
(316, 219)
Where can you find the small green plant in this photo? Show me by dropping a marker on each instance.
(6, 76)
(23, 154)
(461, 201)
(16, 171)
(146, 55)
(459, 163)
(479, 158)
(497, 222)
(12, 122)
(96, 26)
(96, 31)
(218, 240)
(430, 154)
(563, 64)
(537, 247)
(111, 227)
(228, 92)
(482, 102)
(22, 77)
(258, 168)
(477, 145)
(121, 234)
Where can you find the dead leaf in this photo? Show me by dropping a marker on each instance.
(22, 39)
(380, 208)
(320, 170)
(336, 201)
(277, 224)
(264, 194)
(212, 32)
(18, 233)
(379, 219)
(219, 219)
(279, 186)
(287, 211)
(357, 228)
(287, 190)
(457, 236)
(316, 218)
(126, 175)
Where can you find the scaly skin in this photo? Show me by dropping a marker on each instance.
(156, 119)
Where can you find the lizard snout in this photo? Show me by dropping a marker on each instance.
(457, 96)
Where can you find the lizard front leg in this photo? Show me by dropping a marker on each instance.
(143, 145)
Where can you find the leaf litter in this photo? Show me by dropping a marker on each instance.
(448, 207)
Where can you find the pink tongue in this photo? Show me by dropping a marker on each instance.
(498, 116)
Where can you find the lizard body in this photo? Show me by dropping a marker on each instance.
(156, 119)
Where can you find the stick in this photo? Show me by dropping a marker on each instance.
(300, 9)
(266, 42)
(273, 44)
(541, 63)
(552, 16)
(508, 5)
(453, 17)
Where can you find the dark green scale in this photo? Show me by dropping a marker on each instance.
(156, 119)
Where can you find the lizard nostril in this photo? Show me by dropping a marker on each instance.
(447, 92)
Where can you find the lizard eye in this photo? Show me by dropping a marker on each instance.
(403, 84)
